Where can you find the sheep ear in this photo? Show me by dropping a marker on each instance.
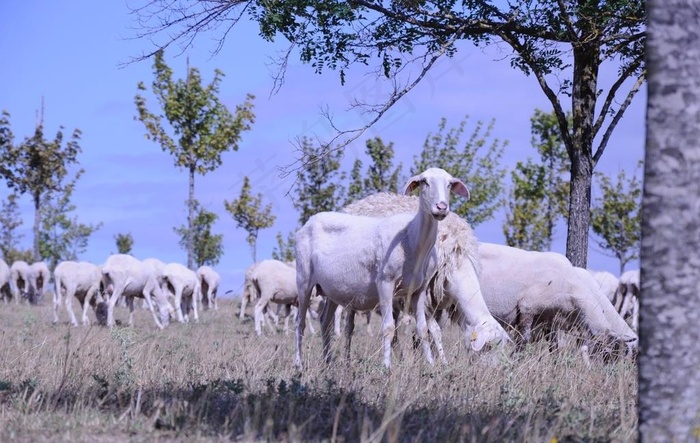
(411, 185)
(459, 188)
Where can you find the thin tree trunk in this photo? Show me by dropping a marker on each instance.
(37, 224)
(585, 80)
(669, 331)
(190, 221)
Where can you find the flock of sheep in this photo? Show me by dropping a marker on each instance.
(405, 257)
(120, 279)
(410, 256)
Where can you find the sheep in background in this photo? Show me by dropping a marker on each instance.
(125, 275)
(37, 282)
(526, 288)
(156, 266)
(183, 285)
(209, 282)
(272, 281)
(79, 279)
(627, 298)
(607, 283)
(5, 285)
(455, 282)
(19, 279)
(358, 261)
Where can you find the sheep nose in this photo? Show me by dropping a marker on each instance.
(442, 206)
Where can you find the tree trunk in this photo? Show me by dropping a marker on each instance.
(585, 81)
(190, 221)
(669, 359)
(37, 225)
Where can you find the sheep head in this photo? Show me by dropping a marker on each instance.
(435, 185)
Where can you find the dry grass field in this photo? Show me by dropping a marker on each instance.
(217, 381)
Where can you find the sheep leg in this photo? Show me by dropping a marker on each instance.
(327, 321)
(56, 301)
(69, 305)
(422, 325)
(436, 335)
(148, 290)
(178, 305)
(300, 323)
(524, 329)
(112, 302)
(338, 318)
(244, 303)
(258, 314)
(88, 301)
(349, 328)
(212, 300)
(311, 324)
(386, 290)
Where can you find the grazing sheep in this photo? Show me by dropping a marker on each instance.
(525, 288)
(183, 285)
(627, 298)
(249, 293)
(272, 281)
(79, 279)
(37, 282)
(209, 281)
(358, 261)
(607, 283)
(156, 266)
(5, 285)
(123, 274)
(19, 279)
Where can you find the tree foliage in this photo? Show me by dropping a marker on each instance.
(318, 185)
(284, 251)
(62, 236)
(248, 212)
(203, 128)
(381, 175)
(539, 190)
(124, 243)
(37, 166)
(475, 161)
(10, 221)
(617, 217)
(562, 43)
(208, 247)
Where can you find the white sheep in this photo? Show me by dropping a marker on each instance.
(607, 282)
(37, 281)
(455, 282)
(272, 281)
(523, 288)
(125, 275)
(209, 281)
(19, 279)
(5, 285)
(183, 285)
(81, 280)
(627, 298)
(358, 261)
(250, 294)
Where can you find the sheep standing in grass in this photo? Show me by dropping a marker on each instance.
(525, 288)
(125, 275)
(209, 282)
(272, 281)
(37, 282)
(156, 266)
(358, 261)
(80, 280)
(19, 279)
(455, 282)
(5, 285)
(182, 283)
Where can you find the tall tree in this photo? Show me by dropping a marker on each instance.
(616, 217)
(248, 212)
(37, 166)
(208, 247)
(564, 44)
(473, 161)
(381, 175)
(318, 186)
(62, 236)
(669, 358)
(538, 195)
(204, 127)
(124, 243)
(10, 221)
(284, 251)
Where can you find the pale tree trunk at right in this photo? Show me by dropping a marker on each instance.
(669, 325)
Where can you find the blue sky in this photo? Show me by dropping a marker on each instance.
(72, 54)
